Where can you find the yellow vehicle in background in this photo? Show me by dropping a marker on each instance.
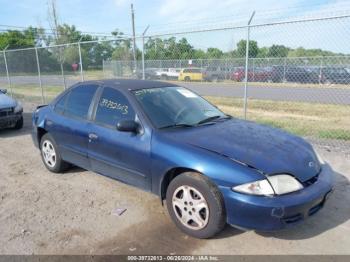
(191, 74)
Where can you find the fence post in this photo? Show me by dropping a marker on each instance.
(246, 66)
(80, 62)
(7, 71)
(39, 75)
(143, 52)
(284, 68)
(320, 75)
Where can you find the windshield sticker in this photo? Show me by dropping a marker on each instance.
(186, 93)
(114, 106)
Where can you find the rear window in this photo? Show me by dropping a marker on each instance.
(79, 100)
(60, 105)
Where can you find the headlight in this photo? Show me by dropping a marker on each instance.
(261, 187)
(18, 108)
(272, 185)
(283, 184)
(319, 158)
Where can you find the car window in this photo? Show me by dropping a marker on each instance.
(59, 107)
(112, 107)
(79, 100)
(174, 105)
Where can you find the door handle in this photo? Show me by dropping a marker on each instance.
(92, 136)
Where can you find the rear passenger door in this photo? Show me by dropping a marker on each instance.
(69, 126)
(121, 155)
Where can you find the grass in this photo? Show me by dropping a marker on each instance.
(323, 121)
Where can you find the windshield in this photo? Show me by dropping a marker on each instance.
(176, 106)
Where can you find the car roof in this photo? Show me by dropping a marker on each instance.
(129, 84)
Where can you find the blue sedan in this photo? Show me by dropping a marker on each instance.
(209, 167)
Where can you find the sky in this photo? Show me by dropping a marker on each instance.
(175, 16)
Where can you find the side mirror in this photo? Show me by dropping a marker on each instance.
(127, 126)
(4, 91)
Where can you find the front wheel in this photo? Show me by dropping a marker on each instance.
(51, 155)
(196, 205)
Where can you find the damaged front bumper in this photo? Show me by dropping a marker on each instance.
(273, 213)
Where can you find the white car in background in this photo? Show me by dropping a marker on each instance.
(168, 73)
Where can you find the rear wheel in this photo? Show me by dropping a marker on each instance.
(51, 155)
(196, 205)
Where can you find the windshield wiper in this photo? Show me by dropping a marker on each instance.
(176, 125)
(209, 119)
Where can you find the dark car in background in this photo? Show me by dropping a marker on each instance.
(150, 73)
(334, 75)
(216, 73)
(10, 111)
(293, 74)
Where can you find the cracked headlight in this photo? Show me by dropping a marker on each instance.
(18, 108)
(272, 185)
(283, 184)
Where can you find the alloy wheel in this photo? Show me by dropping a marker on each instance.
(190, 207)
(49, 153)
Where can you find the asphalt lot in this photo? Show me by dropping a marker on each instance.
(71, 213)
(296, 92)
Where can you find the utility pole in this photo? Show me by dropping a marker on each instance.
(133, 34)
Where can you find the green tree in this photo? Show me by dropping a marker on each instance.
(253, 48)
(29, 37)
(278, 51)
(214, 53)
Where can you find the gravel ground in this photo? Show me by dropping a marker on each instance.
(71, 213)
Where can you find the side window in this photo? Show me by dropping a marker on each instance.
(59, 107)
(113, 107)
(79, 100)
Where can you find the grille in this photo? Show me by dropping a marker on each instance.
(311, 181)
(6, 111)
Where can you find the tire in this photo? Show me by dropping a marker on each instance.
(164, 77)
(209, 209)
(187, 79)
(19, 124)
(50, 155)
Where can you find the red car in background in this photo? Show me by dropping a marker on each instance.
(257, 74)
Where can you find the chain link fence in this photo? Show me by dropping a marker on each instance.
(282, 76)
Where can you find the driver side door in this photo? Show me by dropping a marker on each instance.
(124, 156)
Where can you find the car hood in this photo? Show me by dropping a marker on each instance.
(6, 101)
(270, 150)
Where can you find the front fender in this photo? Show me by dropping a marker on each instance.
(167, 155)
